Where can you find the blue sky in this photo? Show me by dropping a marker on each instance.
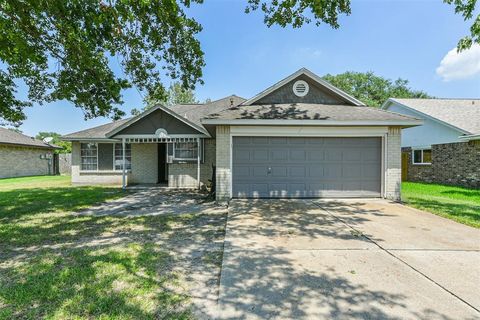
(406, 39)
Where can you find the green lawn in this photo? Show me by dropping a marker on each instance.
(456, 203)
(59, 265)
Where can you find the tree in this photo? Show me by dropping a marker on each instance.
(466, 8)
(176, 94)
(372, 89)
(65, 49)
(66, 146)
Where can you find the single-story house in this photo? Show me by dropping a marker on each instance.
(446, 148)
(301, 137)
(21, 155)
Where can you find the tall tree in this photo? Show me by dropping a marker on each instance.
(176, 94)
(65, 49)
(66, 146)
(372, 89)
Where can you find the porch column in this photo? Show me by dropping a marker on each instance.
(198, 162)
(124, 182)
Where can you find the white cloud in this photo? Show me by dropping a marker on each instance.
(455, 66)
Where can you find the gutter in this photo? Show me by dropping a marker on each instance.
(470, 137)
(274, 122)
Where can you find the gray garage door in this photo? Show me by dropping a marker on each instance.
(287, 167)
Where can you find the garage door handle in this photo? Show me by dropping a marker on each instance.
(269, 171)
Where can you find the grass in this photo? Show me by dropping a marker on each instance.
(456, 203)
(59, 265)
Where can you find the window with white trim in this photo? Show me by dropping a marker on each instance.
(88, 156)
(185, 151)
(422, 156)
(119, 156)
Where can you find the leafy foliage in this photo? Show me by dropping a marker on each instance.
(467, 8)
(66, 49)
(176, 94)
(66, 145)
(299, 12)
(372, 89)
(63, 50)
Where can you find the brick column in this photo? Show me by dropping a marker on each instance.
(223, 172)
(393, 172)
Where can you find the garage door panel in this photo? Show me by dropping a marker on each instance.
(306, 167)
(354, 155)
(316, 155)
(352, 170)
(278, 154)
(259, 172)
(259, 140)
(297, 172)
(279, 171)
(370, 171)
(279, 140)
(332, 170)
(298, 155)
(260, 155)
(243, 171)
(316, 172)
(334, 154)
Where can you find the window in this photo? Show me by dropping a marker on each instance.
(88, 156)
(422, 156)
(185, 151)
(119, 156)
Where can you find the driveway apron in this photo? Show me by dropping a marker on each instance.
(364, 259)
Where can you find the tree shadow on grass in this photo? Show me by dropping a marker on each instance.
(468, 193)
(59, 264)
(461, 212)
(128, 281)
(19, 202)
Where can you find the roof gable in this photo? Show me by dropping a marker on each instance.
(460, 114)
(158, 117)
(320, 92)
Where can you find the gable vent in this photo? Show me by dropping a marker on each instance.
(300, 88)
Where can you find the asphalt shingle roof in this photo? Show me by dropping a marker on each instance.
(195, 112)
(98, 132)
(461, 113)
(192, 112)
(306, 111)
(15, 138)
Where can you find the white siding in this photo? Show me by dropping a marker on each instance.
(431, 132)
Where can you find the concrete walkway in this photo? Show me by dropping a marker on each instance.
(361, 259)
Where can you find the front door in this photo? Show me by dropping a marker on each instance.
(162, 163)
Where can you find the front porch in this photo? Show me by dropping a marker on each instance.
(174, 162)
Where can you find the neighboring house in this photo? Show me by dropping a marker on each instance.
(301, 137)
(21, 155)
(446, 148)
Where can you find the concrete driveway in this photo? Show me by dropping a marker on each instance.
(367, 259)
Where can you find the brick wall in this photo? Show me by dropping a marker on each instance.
(184, 175)
(17, 161)
(144, 163)
(92, 178)
(223, 174)
(452, 163)
(393, 171)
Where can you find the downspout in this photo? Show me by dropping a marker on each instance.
(124, 182)
(198, 162)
